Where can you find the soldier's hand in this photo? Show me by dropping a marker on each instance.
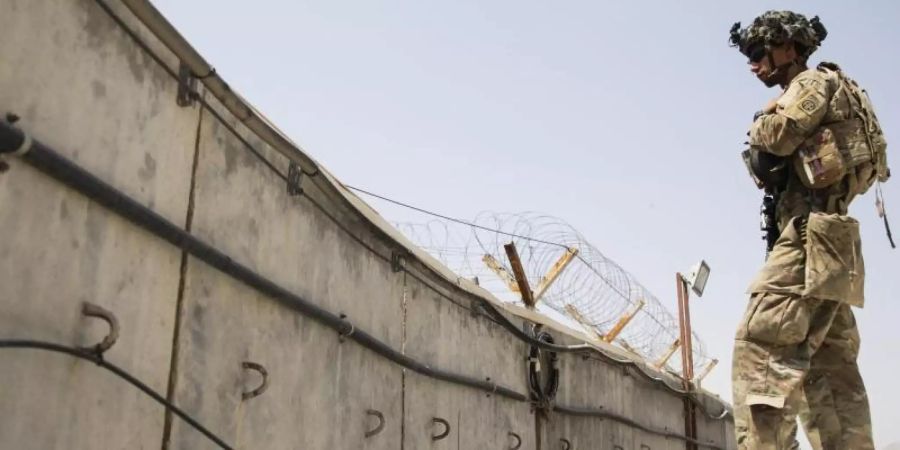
(771, 106)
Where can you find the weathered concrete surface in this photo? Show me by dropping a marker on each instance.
(445, 333)
(244, 209)
(83, 88)
(319, 388)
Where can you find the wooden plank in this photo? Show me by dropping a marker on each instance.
(554, 272)
(623, 321)
(665, 359)
(501, 272)
(576, 315)
(706, 370)
(519, 274)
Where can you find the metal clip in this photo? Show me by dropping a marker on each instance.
(493, 386)
(443, 434)
(397, 261)
(92, 310)
(294, 180)
(518, 441)
(349, 332)
(187, 85)
(8, 141)
(378, 415)
(265, 380)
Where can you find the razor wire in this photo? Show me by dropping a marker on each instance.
(592, 292)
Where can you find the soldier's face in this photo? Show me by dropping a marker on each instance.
(764, 66)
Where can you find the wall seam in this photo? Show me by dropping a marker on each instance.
(182, 282)
(403, 370)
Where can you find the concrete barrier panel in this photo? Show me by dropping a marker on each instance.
(446, 334)
(81, 86)
(319, 389)
(244, 209)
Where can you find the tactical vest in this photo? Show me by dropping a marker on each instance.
(839, 146)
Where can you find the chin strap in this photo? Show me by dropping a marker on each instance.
(778, 74)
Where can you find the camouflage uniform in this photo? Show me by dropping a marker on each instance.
(796, 347)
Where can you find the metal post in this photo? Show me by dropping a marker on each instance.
(684, 321)
(687, 359)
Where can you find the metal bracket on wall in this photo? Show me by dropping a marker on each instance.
(92, 310)
(265, 380)
(378, 415)
(518, 440)
(11, 118)
(187, 86)
(443, 434)
(294, 180)
(349, 331)
(398, 261)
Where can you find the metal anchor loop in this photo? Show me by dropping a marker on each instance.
(518, 441)
(265, 380)
(443, 434)
(566, 445)
(92, 310)
(378, 415)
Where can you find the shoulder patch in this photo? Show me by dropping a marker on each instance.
(807, 109)
(810, 103)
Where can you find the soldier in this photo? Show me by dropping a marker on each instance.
(814, 148)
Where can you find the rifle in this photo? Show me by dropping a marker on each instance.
(768, 220)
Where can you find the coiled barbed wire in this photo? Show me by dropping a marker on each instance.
(592, 291)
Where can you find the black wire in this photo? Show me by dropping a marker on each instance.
(451, 219)
(121, 373)
(543, 371)
(585, 412)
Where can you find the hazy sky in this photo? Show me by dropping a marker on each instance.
(626, 119)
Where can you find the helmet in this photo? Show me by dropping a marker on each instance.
(774, 28)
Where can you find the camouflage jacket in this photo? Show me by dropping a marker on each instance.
(818, 253)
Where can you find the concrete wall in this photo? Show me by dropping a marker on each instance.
(82, 86)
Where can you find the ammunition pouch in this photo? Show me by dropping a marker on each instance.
(819, 162)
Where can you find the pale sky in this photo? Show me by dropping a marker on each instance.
(626, 119)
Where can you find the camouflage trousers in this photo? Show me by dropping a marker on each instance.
(797, 356)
